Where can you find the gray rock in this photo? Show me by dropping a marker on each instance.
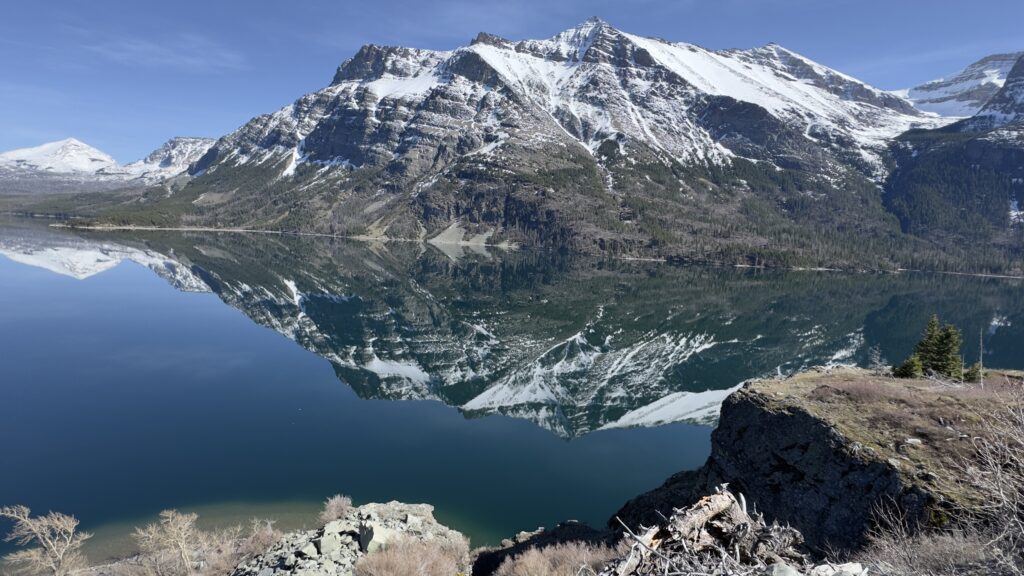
(328, 544)
(781, 569)
(309, 550)
(851, 569)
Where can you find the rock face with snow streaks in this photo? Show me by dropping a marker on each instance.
(593, 139)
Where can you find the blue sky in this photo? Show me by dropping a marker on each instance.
(126, 75)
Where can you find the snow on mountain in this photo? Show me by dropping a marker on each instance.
(1006, 106)
(965, 93)
(172, 158)
(589, 84)
(73, 166)
(67, 156)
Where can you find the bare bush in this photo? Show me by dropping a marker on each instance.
(262, 535)
(569, 559)
(411, 557)
(171, 546)
(175, 546)
(56, 539)
(335, 508)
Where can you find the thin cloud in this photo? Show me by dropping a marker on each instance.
(185, 53)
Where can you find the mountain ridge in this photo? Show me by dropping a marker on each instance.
(70, 164)
(593, 140)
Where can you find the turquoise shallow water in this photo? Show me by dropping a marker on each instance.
(123, 394)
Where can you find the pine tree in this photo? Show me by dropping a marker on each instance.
(929, 349)
(911, 368)
(937, 353)
(950, 363)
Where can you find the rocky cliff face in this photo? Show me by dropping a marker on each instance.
(594, 139)
(822, 450)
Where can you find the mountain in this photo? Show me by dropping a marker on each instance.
(593, 140)
(966, 181)
(1006, 107)
(71, 165)
(169, 160)
(965, 93)
(68, 156)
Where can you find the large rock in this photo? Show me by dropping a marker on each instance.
(334, 549)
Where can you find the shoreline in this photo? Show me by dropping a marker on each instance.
(506, 247)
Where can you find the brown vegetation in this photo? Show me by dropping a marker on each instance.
(568, 559)
(411, 557)
(335, 508)
(986, 536)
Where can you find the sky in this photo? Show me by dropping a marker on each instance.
(126, 75)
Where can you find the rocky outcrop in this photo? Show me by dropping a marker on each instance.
(823, 450)
(335, 548)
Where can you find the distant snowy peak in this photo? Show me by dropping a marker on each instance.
(170, 159)
(72, 166)
(1007, 106)
(68, 156)
(964, 94)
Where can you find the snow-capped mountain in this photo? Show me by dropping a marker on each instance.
(70, 165)
(590, 139)
(1006, 107)
(965, 93)
(588, 85)
(169, 160)
(68, 156)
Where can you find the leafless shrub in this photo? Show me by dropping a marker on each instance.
(171, 546)
(175, 546)
(335, 508)
(569, 559)
(56, 537)
(411, 557)
(897, 547)
(262, 535)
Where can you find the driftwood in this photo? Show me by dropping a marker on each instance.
(716, 536)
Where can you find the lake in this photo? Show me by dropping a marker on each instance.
(255, 375)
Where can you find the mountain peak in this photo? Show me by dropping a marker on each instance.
(69, 155)
(1007, 106)
(966, 92)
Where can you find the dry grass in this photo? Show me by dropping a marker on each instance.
(987, 535)
(411, 557)
(335, 508)
(569, 559)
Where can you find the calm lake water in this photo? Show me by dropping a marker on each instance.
(243, 375)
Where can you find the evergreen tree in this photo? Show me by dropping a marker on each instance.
(911, 368)
(929, 349)
(937, 353)
(950, 363)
